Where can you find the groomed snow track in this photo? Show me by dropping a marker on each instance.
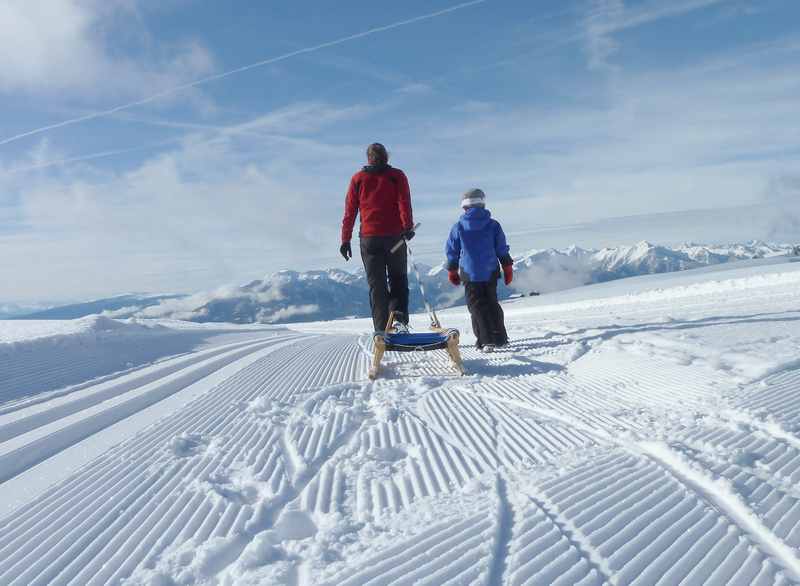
(598, 455)
(126, 505)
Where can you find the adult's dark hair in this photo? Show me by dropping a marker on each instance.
(377, 155)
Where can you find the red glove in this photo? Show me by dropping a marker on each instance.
(454, 278)
(508, 274)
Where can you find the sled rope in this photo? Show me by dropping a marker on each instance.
(431, 311)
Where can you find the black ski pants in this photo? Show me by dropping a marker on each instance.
(387, 277)
(488, 321)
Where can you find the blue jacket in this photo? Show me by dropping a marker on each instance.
(476, 244)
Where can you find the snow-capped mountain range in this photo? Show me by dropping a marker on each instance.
(290, 296)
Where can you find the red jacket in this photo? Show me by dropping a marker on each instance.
(383, 198)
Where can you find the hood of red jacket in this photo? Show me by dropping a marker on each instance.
(375, 168)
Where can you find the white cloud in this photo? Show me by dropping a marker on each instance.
(416, 89)
(78, 30)
(220, 207)
(44, 42)
(225, 204)
(656, 120)
(474, 107)
(604, 18)
(783, 198)
(53, 47)
(300, 118)
(706, 136)
(552, 273)
(287, 312)
(600, 23)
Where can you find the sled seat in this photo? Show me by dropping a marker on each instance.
(417, 342)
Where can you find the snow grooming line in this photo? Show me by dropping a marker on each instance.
(438, 338)
(728, 502)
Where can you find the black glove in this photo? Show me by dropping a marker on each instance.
(346, 251)
(408, 234)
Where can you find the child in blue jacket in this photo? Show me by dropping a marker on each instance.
(476, 250)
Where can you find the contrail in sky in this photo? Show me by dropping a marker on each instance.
(205, 80)
(84, 158)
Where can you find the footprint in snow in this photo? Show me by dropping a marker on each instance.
(281, 544)
(236, 486)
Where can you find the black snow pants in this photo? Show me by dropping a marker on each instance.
(387, 277)
(488, 321)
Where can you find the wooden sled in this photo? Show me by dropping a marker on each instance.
(437, 339)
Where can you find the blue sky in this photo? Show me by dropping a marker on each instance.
(566, 113)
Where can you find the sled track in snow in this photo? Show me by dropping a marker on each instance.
(435, 466)
(447, 554)
(777, 396)
(564, 395)
(628, 519)
(640, 527)
(128, 506)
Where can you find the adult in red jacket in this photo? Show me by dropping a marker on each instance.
(380, 193)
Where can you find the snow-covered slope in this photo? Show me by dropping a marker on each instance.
(645, 431)
(41, 357)
(289, 296)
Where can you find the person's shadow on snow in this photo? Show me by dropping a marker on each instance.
(607, 332)
(516, 366)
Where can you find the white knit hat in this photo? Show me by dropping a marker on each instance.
(473, 197)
